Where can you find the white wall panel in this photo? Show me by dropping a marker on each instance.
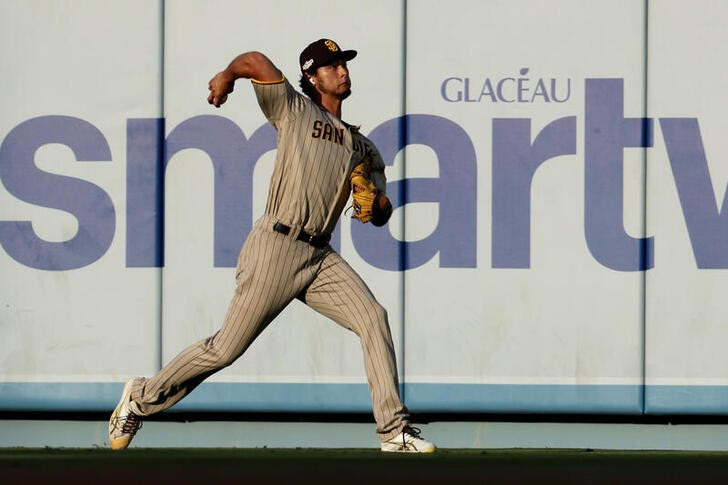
(566, 319)
(686, 305)
(96, 63)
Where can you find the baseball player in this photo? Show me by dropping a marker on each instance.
(320, 160)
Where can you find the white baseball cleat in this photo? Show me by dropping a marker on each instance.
(123, 423)
(408, 441)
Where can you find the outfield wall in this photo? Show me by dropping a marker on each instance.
(559, 240)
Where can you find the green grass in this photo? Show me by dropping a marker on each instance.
(207, 466)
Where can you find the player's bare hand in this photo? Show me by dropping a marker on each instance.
(381, 210)
(220, 86)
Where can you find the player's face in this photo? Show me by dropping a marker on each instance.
(333, 80)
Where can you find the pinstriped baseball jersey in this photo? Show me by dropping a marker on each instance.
(308, 191)
(316, 153)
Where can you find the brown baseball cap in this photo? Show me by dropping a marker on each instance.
(322, 52)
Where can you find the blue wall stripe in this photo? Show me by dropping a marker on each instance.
(445, 398)
(508, 398)
(686, 400)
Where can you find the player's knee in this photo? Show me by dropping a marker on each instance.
(374, 331)
(218, 356)
(377, 316)
(226, 359)
(380, 314)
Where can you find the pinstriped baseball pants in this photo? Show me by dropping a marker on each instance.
(272, 270)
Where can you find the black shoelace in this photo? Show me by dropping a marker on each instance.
(413, 432)
(131, 424)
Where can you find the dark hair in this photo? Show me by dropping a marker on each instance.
(308, 89)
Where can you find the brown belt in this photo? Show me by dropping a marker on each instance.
(315, 241)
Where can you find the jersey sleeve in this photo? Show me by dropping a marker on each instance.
(376, 167)
(278, 100)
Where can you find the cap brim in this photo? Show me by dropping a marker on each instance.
(348, 55)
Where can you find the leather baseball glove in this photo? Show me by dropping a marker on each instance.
(370, 205)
